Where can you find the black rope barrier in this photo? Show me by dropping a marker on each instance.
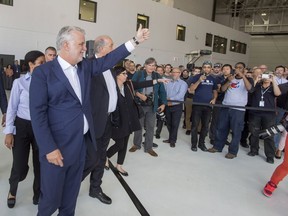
(129, 191)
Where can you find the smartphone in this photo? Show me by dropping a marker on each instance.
(265, 76)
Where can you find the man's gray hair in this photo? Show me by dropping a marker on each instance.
(98, 44)
(64, 35)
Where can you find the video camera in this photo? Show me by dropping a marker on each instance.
(275, 129)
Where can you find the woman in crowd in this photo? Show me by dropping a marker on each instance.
(128, 115)
(19, 134)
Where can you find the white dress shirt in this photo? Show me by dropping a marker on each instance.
(70, 72)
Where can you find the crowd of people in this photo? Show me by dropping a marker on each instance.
(71, 108)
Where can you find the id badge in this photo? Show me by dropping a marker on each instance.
(261, 104)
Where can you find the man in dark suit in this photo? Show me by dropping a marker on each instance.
(103, 88)
(3, 99)
(62, 120)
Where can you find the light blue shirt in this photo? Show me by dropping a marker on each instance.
(18, 103)
(176, 90)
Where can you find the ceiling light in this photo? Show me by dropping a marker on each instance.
(263, 14)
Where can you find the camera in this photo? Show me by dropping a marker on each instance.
(161, 116)
(279, 128)
(265, 76)
(232, 72)
(147, 102)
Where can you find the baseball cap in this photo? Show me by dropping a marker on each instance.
(218, 65)
(207, 63)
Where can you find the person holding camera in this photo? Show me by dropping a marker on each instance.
(176, 90)
(236, 88)
(265, 92)
(149, 98)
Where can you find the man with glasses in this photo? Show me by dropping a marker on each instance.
(149, 98)
(236, 88)
(204, 88)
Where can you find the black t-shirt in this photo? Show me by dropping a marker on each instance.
(268, 98)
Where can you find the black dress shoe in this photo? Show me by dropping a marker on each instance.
(194, 149)
(172, 144)
(188, 132)
(166, 141)
(123, 173)
(270, 160)
(11, 202)
(244, 145)
(252, 154)
(203, 148)
(157, 136)
(154, 145)
(102, 197)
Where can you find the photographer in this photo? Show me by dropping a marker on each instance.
(149, 98)
(263, 97)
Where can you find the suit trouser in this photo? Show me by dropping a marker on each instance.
(102, 145)
(120, 146)
(173, 116)
(60, 185)
(149, 121)
(22, 140)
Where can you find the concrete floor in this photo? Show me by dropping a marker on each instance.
(178, 182)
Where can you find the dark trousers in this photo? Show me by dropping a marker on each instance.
(98, 171)
(257, 123)
(203, 114)
(214, 121)
(120, 146)
(60, 185)
(229, 119)
(22, 140)
(173, 116)
(245, 132)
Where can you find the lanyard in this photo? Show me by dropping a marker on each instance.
(263, 92)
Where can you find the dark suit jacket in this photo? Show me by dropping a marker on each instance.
(56, 112)
(3, 98)
(99, 103)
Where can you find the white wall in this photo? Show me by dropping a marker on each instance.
(34, 24)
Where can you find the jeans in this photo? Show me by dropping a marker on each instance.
(203, 114)
(229, 119)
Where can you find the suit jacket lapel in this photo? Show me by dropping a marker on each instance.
(81, 75)
(61, 76)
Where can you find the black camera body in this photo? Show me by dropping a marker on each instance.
(275, 129)
(148, 102)
(161, 116)
(232, 72)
